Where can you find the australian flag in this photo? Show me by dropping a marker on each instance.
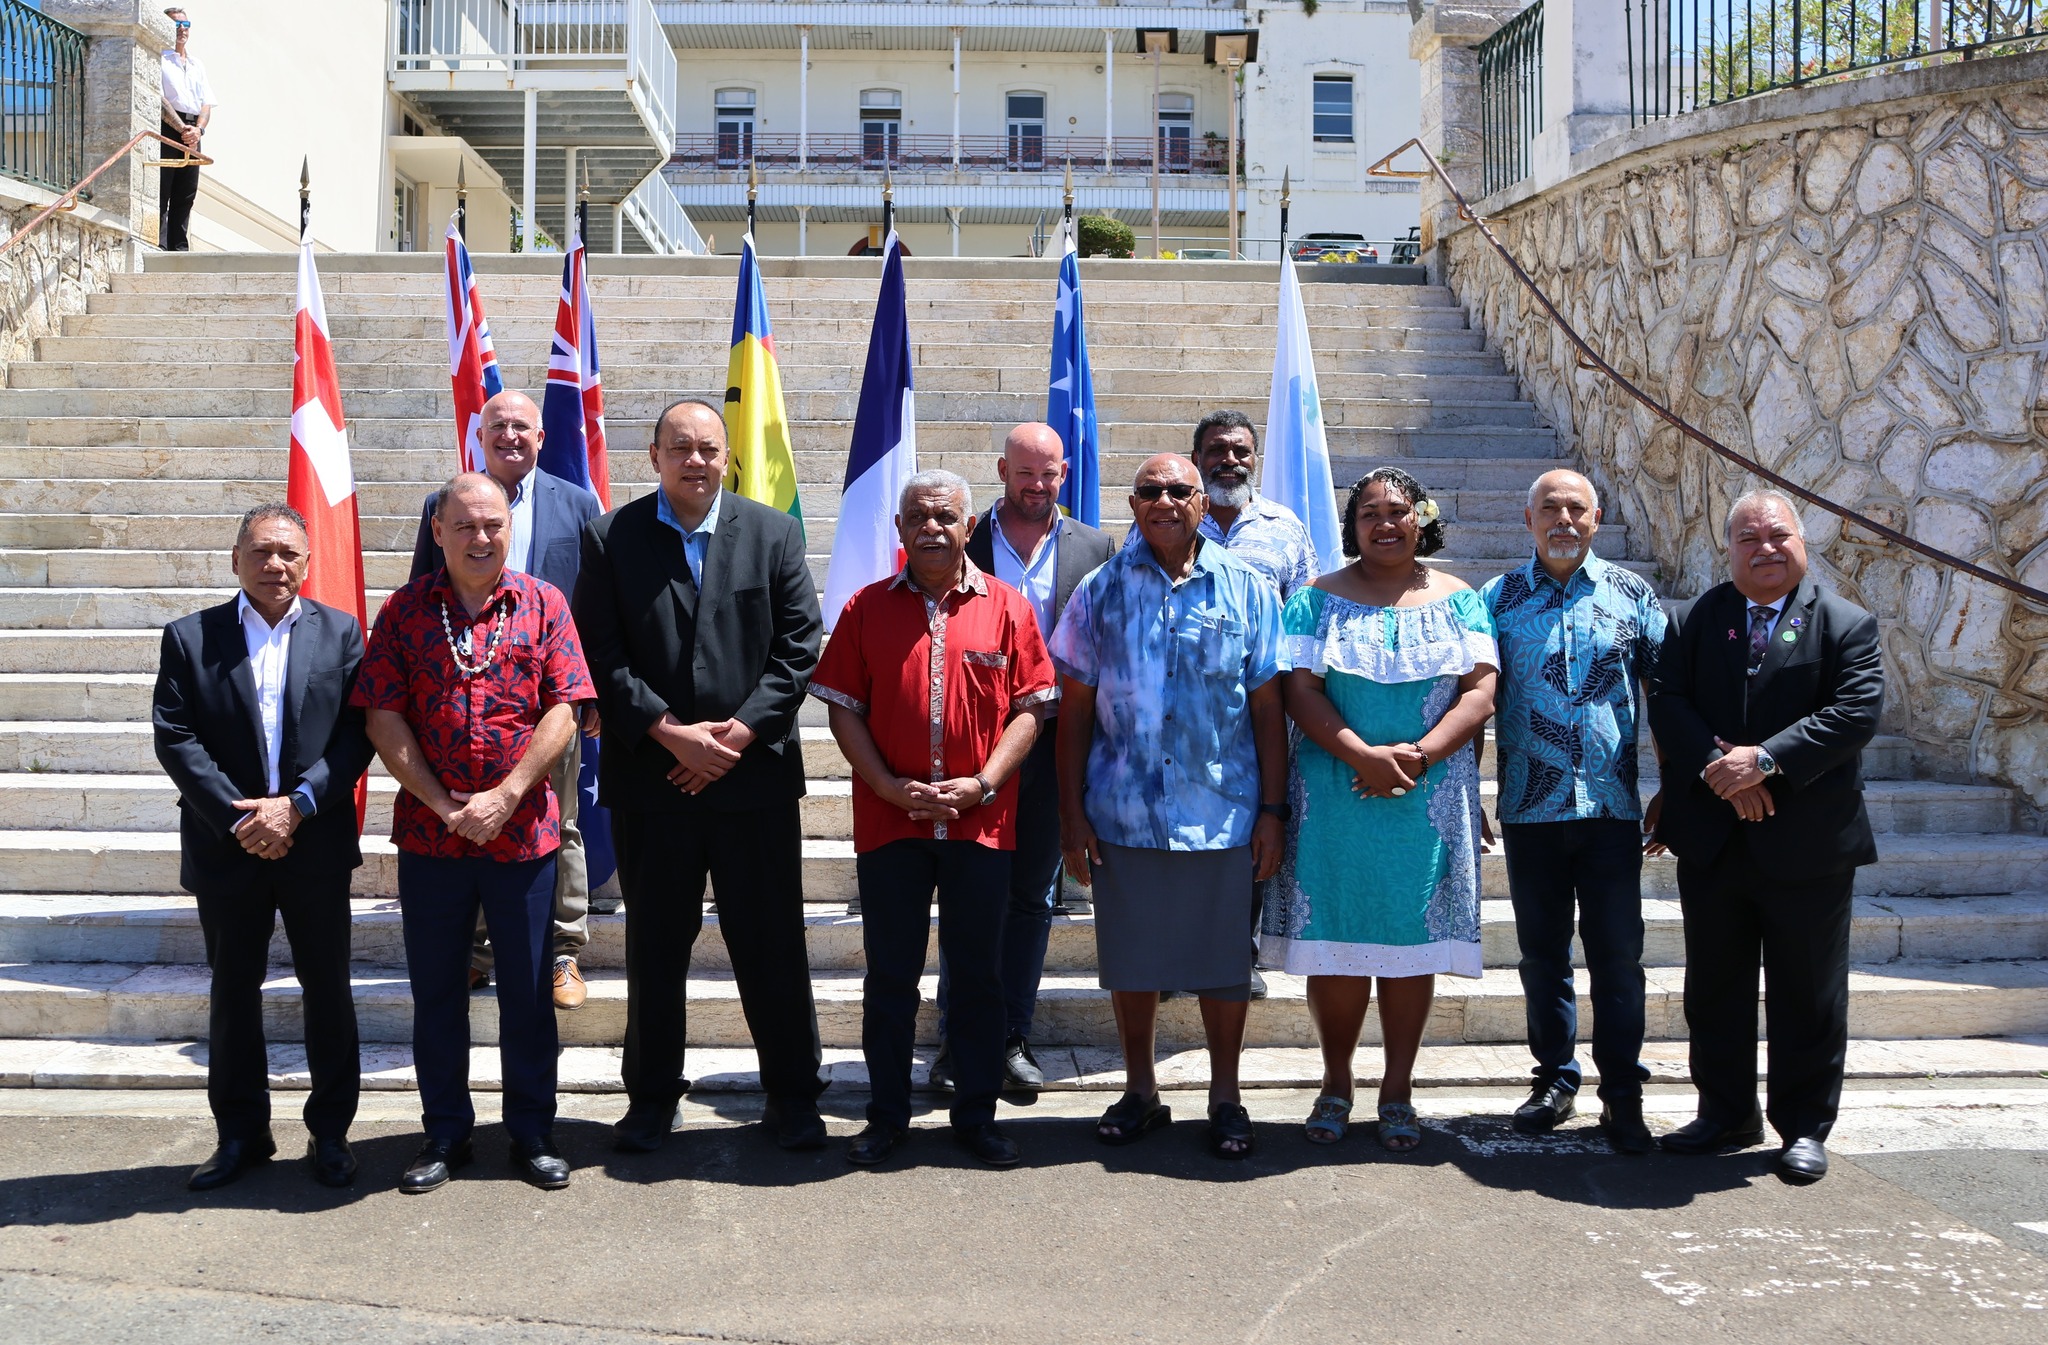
(1070, 398)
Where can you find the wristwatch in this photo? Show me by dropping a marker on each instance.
(1766, 764)
(1283, 811)
(988, 791)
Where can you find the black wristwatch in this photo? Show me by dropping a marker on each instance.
(988, 791)
(1280, 810)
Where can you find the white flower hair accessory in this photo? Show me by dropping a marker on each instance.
(1428, 512)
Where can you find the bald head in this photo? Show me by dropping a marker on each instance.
(511, 435)
(1563, 514)
(1168, 523)
(1032, 469)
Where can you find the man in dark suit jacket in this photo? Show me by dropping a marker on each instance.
(548, 515)
(1768, 692)
(1027, 543)
(701, 626)
(254, 727)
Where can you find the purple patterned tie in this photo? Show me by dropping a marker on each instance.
(1759, 635)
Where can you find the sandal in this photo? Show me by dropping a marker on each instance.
(1132, 1118)
(1399, 1130)
(1230, 1124)
(1327, 1122)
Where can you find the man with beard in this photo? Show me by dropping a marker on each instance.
(1578, 637)
(1260, 532)
(1028, 544)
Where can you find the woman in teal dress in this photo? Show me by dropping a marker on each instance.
(1389, 669)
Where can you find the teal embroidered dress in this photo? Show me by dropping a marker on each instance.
(1371, 886)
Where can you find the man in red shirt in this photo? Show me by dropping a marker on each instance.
(936, 680)
(471, 681)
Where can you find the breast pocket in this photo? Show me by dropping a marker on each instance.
(986, 676)
(1214, 645)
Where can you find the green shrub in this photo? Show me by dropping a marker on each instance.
(1101, 236)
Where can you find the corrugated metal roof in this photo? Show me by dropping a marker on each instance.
(758, 24)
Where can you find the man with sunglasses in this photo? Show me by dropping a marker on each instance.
(188, 105)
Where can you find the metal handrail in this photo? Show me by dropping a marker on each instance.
(69, 200)
(1590, 359)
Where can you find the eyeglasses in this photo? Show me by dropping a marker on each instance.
(1179, 490)
(181, 23)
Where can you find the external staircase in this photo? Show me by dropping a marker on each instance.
(131, 443)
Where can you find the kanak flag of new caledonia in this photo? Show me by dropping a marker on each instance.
(760, 466)
(884, 451)
(319, 481)
(472, 362)
(572, 447)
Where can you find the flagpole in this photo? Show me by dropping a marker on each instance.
(1284, 174)
(753, 192)
(888, 206)
(305, 195)
(462, 200)
(583, 203)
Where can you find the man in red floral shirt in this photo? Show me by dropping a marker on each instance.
(471, 680)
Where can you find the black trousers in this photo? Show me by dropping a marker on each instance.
(896, 885)
(1739, 915)
(755, 858)
(177, 189)
(238, 923)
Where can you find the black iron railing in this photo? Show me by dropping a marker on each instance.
(1511, 96)
(1687, 54)
(42, 98)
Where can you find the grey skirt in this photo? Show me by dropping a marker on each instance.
(1175, 920)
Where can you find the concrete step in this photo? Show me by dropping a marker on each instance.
(179, 532)
(1899, 1000)
(46, 860)
(77, 696)
(62, 1062)
(158, 929)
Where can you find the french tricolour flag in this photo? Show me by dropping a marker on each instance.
(884, 451)
(472, 362)
(572, 409)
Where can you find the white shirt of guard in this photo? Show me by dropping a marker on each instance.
(1035, 577)
(520, 549)
(270, 651)
(186, 86)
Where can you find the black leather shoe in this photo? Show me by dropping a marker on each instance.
(1020, 1067)
(541, 1163)
(988, 1144)
(1803, 1161)
(874, 1144)
(1551, 1105)
(1623, 1122)
(642, 1130)
(229, 1161)
(1258, 984)
(332, 1161)
(795, 1125)
(942, 1069)
(433, 1165)
(1702, 1135)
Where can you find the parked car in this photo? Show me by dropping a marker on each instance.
(1334, 247)
(1207, 255)
(1409, 249)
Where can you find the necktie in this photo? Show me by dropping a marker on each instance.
(1759, 636)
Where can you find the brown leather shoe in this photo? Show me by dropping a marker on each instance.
(569, 988)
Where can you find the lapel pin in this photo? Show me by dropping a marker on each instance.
(1731, 632)
(1789, 636)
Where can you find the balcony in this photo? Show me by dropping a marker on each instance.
(722, 156)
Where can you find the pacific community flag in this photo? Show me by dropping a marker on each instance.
(884, 451)
(320, 482)
(1070, 398)
(761, 465)
(1296, 468)
(472, 362)
(572, 447)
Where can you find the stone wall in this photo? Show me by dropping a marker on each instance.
(49, 274)
(1846, 283)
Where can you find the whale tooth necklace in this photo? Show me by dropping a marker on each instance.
(459, 650)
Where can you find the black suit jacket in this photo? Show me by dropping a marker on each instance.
(1813, 705)
(560, 509)
(744, 648)
(1081, 549)
(209, 740)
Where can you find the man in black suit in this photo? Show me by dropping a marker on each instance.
(701, 626)
(548, 515)
(254, 727)
(1026, 542)
(1767, 695)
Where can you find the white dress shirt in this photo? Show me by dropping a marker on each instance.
(270, 652)
(186, 86)
(1032, 576)
(520, 549)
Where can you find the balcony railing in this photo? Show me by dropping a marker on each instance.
(784, 153)
(658, 215)
(1688, 54)
(42, 98)
(1511, 96)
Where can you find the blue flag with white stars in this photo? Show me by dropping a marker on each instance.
(1070, 399)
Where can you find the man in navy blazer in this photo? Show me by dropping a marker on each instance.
(253, 726)
(548, 515)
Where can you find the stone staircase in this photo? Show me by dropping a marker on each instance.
(130, 444)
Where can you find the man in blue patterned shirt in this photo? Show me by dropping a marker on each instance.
(1578, 638)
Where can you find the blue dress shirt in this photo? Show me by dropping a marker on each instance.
(695, 541)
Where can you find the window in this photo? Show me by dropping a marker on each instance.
(733, 109)
(1333, 109)
(405, 213)
(1176, 131)
(881, 127)
(1026, 122)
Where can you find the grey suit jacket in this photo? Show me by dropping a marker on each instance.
(560, 509)
(1081, 549)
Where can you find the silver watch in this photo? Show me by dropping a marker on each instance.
(1766, 763)
(988, 791)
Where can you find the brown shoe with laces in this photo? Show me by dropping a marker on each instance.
(569, 988)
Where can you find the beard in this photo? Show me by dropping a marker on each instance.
(1228, 493)
(1029, 511)
(1564, 548)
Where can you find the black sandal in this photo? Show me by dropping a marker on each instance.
(1132, 1118)
(1230, 1123)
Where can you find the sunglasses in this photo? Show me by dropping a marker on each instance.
(1179, 490)
(181, 23)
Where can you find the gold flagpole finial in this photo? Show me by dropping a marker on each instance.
(461, 180)
(1285, 174)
